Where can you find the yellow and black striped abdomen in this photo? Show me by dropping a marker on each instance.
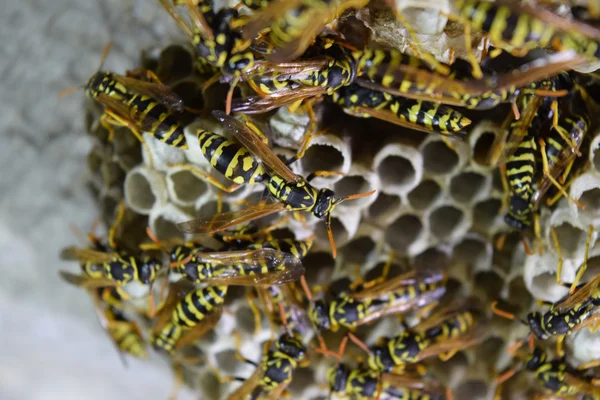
(156, 118)
(433, 116)
(168, 337)
(230, 158)
(297, 196)
(452, 327)
(197, 304)
(521, 168)
(506, 27)
(297, 248)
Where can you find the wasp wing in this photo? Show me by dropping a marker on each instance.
(161, 93)
(230, 219)
(265, 267)
(87, 255)
(190, 336)
(250, 140)
(85, 281)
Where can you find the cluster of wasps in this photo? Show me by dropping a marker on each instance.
(287, 53)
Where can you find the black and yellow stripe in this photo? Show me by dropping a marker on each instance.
(197, 304)
(521, 169)
(297, 248)
(231, 159)
(278, 366)
(157, 119)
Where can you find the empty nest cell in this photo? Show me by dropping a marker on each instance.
(424, 195)
(485, 214)
(322, 157)
(357, 250)
(570, 238)
(396, 170)
(446, 221)
(185, 187)
(474, 251)
(438, 158)
(468, 186)
(402, 233)
(145, 189)
(432, 257)
(384, 208)
(483, 145)
(352, 185)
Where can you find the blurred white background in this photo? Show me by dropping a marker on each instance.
(51, 345)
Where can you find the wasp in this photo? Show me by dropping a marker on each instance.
(186, 314)
(243, 163)
(137, 104)
(568, 315)
(275, 371)
(519, 28)
(363, 383)
(450, 329)
(414, 114)
(216, 42)
(556, 375)
(399, 294)
(294, 25)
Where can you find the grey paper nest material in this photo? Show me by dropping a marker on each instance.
(438, 203)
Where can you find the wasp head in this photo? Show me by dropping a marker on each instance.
(319, 314)
(337, 378)
(324, 203)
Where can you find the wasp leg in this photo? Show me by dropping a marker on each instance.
(110, 119)
(559, 267)
(208, 177)
(251, 297)
(547, 174)
(113, 229)
(585, 260)
(477, 73)
(323, 174)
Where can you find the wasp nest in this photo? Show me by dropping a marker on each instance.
(439, 202)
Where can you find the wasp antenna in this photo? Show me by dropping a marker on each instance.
(153, 237)
(68, 91)
(330, 236)
(105, 52)
(306, 289)
(354, 196)
(501, 313)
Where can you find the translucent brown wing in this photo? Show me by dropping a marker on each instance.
(582, 387)
(581, 295)
(177, 291)
(400, 282)
(230, 219)
(248, 386)
(518, 132)
(262, 19)
(253, 268)
(86, 282)
(199, 329)
(556, 21)
(87, 255)
(285, 70)
(412, 382)
(389, 116)
(296, 47)
(159, 92)
(468, 339)
(250, 140)
(197, 18)
(263, 104)
(442, 314)
(400, 306)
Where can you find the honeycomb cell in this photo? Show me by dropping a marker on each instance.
(475, 251)
(433, 257)
(244, 318)
(327, 153)
(211, 208)
(570, 238)
(405, 231)
(504, 257)
(358, 250)
(487, 286)
(481, 150)
(145, 189)
(163, 221)
(354, 184)
(475, 389)
(485, 213)
(424, 195)
(468, 186)
(439, 159)
(384, 208)
(446, 221)
(319, 266)
(184, 187)
(399, 168)
(591, 201)
(343, 226)
(396, 170)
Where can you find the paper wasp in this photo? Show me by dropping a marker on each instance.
(556, 375)
(396, 295)
(275, 371)
(363, 384)
(292, 191)
(137, 104)
(450, 329)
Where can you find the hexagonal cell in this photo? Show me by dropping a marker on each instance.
(503, 258)
(175, 63)
(165, 229)
(481, 150)
(591, 201)
(210, 208)
(349, 185)
(473, 251)
(570, 238)
(467, 186)
(245, 321)
(396, 170)
(438, 158)
(320, 157)
(357, 250)
(404, 232)
(445, 220)
(384, 206)
(432, 257)
(475, 389)
(519, 294)
(485, 213)
(497, 181)
(424, 195)
(319, 266)
(185, 186)
(487, 285)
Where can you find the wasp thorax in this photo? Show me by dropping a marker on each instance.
(337, 377)
(319, 314)
(95, 83)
